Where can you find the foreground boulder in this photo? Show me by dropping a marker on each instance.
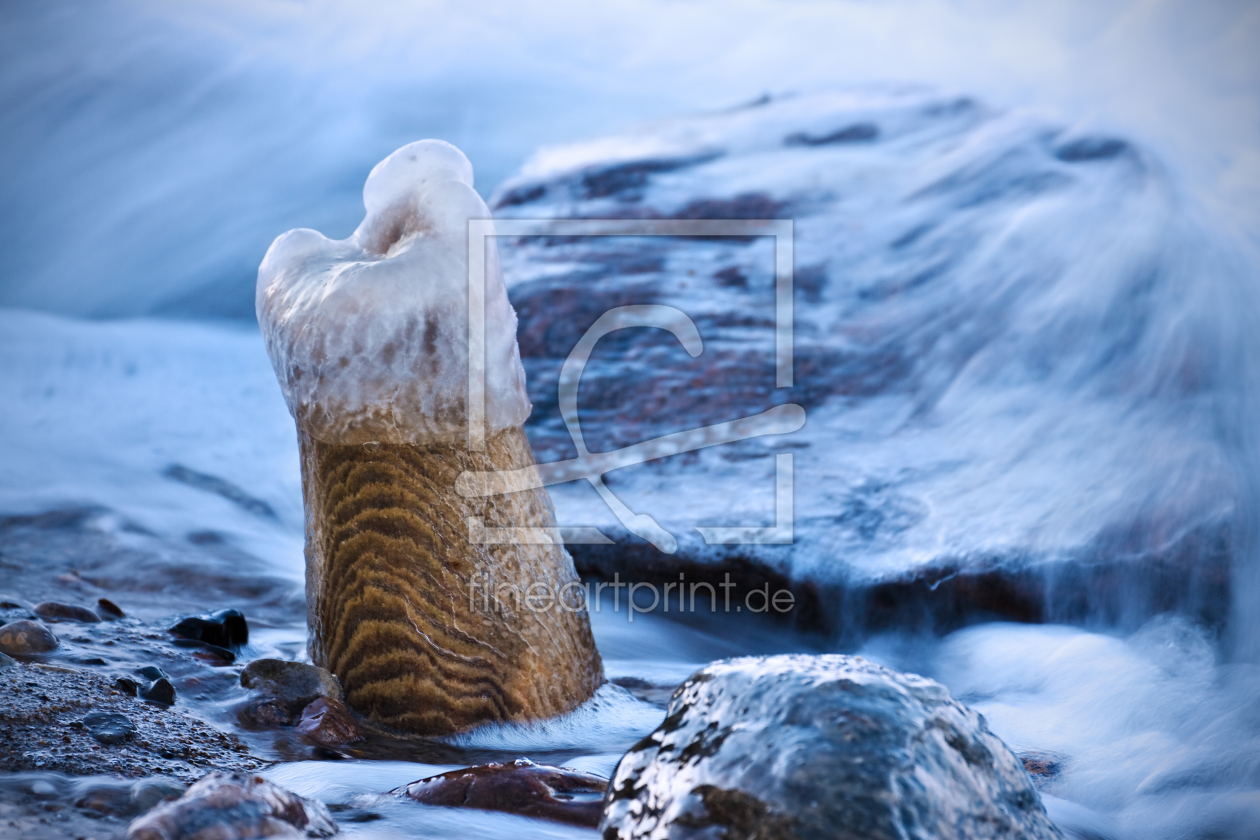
(820, 747)
(234, 806)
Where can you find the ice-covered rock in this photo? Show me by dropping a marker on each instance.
(821, 747)
(369, 335)
(1023, 357)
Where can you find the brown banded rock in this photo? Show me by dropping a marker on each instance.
(369, 339)
(820, 747)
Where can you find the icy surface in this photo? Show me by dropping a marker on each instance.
(820, 746)
(369, 335)
(1016, 343)
(609, 720)
(97, 414)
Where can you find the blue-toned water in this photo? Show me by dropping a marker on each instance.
(150, 155)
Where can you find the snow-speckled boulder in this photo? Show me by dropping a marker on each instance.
(820, 747)
(1020, 349)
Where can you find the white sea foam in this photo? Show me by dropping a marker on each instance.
(369, 335)
(1153, 737)
(611, 720)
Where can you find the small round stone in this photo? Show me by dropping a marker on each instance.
(57, 611)
(109, 727)
(26, 637)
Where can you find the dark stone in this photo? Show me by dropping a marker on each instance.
(159, 691)
(329, 723)
(821, 747)
(127, 685)
(225, 629)
(152, 672)
(234, 806)
(295, 684)
(57, 611)
(26, 637)
(108, 609)
(7, 661)
(522, 787)
(265, 712)
(109, 727)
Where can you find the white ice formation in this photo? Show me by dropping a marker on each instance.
(368, 335)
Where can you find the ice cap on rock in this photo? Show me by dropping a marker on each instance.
(368, 335)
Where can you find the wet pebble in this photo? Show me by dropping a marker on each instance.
(521, 787)
(225, 628)
(108, 609)
(234, 806)
(295, 684)
(265, 711)
(159, 691)
(57, 611)
(109, 727)
(329, 723)
(26, 637)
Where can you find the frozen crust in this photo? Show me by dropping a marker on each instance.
(368, 335)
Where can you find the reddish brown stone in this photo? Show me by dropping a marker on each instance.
(522, 787)
(329, 723)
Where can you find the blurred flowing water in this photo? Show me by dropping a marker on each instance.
(150, 154)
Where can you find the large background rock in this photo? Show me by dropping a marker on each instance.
(1019, 351)
(829, 746)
